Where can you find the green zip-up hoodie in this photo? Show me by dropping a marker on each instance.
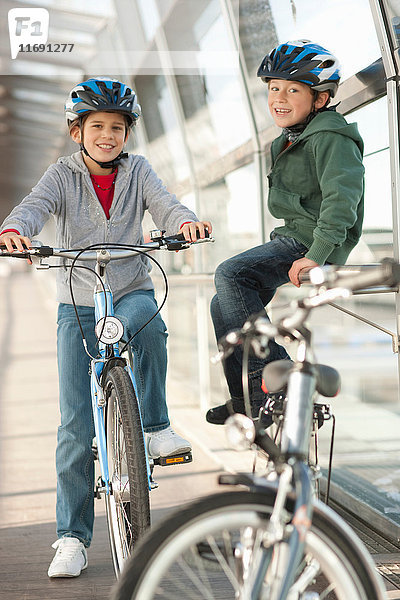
(317, 187)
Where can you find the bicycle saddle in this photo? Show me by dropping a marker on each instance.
(276, 375)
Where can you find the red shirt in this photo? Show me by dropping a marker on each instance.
(104, 187)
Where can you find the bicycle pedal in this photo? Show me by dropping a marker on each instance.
(174, 459)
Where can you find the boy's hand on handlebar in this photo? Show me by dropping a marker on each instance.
(13, 241)
(189, 230)
(302, 265)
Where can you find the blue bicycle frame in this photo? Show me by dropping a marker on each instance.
(104, 309)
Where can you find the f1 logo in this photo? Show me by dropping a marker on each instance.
(27, 25)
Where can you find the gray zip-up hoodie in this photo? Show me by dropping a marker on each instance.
(66, 192)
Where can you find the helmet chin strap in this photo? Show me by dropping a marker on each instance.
(109, 164)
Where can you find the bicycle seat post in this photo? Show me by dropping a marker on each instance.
(297, 425)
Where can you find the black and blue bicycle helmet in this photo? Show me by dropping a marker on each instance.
(102, 94)
(302, 61)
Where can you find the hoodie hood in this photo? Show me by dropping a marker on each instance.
(335, 122)
(76, 163)
(326, 121)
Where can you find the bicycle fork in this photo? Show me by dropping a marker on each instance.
(282, 546)
(98, 406)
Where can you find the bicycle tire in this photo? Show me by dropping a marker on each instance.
(127, 505)
(179, 557)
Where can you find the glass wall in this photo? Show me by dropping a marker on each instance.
(377, 239)
(165, 147)
(213, 107)
(356, 47)
(208, 135)
(231, 204)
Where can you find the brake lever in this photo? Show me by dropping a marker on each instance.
(37, 262)
(172, 244)
(178, 241)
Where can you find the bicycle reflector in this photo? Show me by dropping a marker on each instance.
(109, 330)
(176, 459)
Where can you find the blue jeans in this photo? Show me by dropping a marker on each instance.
(245, 284)
(74, 457)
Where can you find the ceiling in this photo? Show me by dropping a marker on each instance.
(33, 89)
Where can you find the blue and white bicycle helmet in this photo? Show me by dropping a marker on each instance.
(102, 94)
(302, 61)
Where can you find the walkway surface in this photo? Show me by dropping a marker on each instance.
(28, 424)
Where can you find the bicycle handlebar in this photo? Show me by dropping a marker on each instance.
(172, 243)
(328, 284)
(386, 273)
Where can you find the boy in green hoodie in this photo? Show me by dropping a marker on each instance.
(316, 185)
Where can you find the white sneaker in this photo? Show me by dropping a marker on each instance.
(70, 558)
(165, 443)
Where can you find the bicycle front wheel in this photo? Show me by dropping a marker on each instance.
(127, 504)
(211, 550)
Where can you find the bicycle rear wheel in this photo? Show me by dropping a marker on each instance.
(211, 550)
(127, 505)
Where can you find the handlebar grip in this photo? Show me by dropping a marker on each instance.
(179, 237)
(385, 274)
(178, 241)
(15, 254)
(42, 251)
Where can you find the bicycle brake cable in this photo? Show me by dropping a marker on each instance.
(245, 376)
(135, 248)
(115, 246)
(73, 266)
(74, 303)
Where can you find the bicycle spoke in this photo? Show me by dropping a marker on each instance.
(327, 591)
(223, 563)
(213, 550)
(199, 562)
(228, 543)
(254, 554)
(196, 581)
(124, 525)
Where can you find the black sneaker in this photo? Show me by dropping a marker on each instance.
(219, 414)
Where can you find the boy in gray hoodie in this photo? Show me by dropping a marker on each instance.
(99, 195)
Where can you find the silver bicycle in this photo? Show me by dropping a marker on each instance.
(275, 540)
